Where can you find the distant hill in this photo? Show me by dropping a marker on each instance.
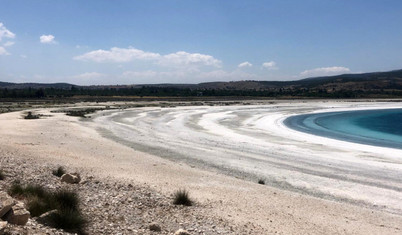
(350, 82)
(9, 85)
(378, 84)
(377, 80)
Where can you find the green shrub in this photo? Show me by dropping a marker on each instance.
(39, 201)
(16, 189)
(59, 172)
(37, 206)
(261, 181)
(69, 220)
(30, 190)
(181, 198)
(36, 190)
(82, 112)
(31, 116)
(66, 200)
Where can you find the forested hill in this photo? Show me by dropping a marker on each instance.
(377, 80)
(378, 84)
(9, 85)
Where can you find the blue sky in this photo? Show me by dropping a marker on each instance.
(132, 42)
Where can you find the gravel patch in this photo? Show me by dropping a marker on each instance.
(113, 207)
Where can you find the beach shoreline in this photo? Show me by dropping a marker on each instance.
(78, 144)
(342, 126)
(252, 142)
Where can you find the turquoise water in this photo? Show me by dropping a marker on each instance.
(373, 127)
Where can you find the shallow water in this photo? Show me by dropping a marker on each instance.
(373, 127)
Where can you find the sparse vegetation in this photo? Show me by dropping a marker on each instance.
(31, 116)
(37, 206)
(181, 197)
(59, 172)
(27, 191)
(82, 112)
(66, 203)
(261, 181)
(69, 220)
(2, 176)
(66, 200)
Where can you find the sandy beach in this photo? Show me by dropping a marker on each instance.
(314, 185)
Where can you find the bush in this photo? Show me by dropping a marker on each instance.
(69, 220)
(66, 203)
(27, 191)
(181, 198)
(37, 206)
(2, 176)
(261, 181)
(82, 112)
(36, 190)
(16, 189)
(38, 199)
(59, 172)
(66, 200)
(31, 116)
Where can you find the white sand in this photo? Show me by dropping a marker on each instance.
(252, 142)
(363, 183)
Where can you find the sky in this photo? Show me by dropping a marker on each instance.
(99, 42)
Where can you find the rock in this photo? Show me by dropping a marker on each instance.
(6, 202)
(18, 214)
(3, 225)
(45, 218)
(155, 227)
(181, 232)
(71, 178)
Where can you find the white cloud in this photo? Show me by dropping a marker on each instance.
(8, 44)
(89, 75)
(325, 71)
(5, 33)
(245, 64)
(47, 39)
(23, 56)
(182, 58)
(3, 51)
(269, 65)
(116, 54)
(178, 59)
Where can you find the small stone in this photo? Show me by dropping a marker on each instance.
(18, 214)
(181, 232)
(45, 218)
(3, 225)
(71, 178)
(6, 202)
(155, 227)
